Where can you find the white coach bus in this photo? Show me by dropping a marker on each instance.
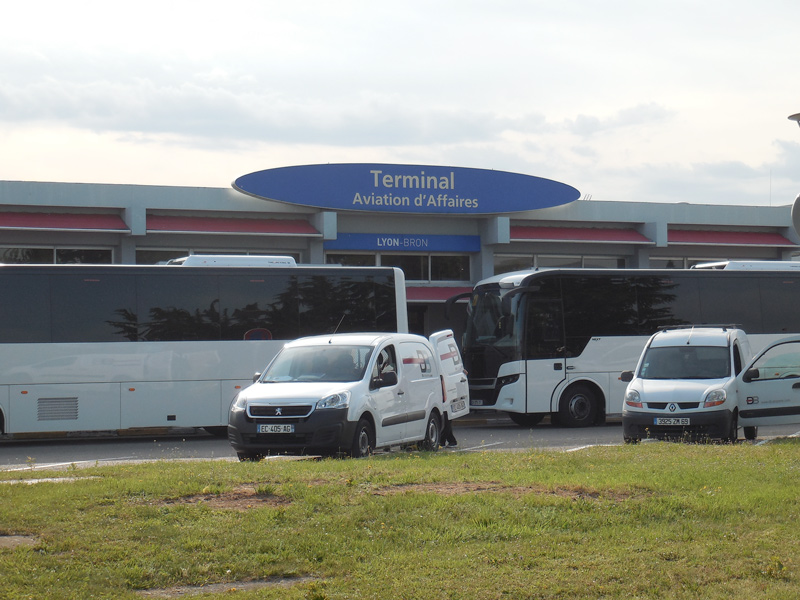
(117, 347)
(554, 341)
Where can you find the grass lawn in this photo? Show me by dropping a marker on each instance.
(653, 520)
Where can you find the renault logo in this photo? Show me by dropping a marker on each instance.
(672, 407)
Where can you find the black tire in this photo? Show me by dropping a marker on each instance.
(363, 439)
(249, 456)
(433, 433)
(578, 407)
(733, 432)
(750, 433)
(526, 420)
(219, 431)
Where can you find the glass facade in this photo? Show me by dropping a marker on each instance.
(61, 256)
(415, 267)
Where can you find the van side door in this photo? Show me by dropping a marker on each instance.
(456, 386)
(387, 397)
(769, 388)
(420, 382)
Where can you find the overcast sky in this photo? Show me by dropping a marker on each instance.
(626, 100)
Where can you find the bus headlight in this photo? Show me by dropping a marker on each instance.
(339, 400)
(715, 398)
(632, 398)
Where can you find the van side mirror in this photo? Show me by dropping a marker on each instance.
(749, 375)
(626, 376)
(256, 376)
(388, 379)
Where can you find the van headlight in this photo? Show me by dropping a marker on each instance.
(239, 404)
(715, 398)
(338, 400)
(632, 398)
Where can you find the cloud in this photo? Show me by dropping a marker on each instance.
(640, 115)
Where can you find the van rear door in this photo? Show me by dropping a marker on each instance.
(452, 369)
(769, 388)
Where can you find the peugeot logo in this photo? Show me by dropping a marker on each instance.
(672, 407)
(278, 411)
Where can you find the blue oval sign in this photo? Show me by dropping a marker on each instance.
(419, 189)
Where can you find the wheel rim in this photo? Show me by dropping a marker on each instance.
(433, 432)
(363, 442)
(580, 407)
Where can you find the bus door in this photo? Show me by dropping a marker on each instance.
(769, 388)
(544, 351)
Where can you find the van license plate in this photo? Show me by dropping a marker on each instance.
(458, 406)
(276, 429)
(672, 421)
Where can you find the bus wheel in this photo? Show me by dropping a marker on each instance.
(750, 433)
(526, 420)
(578, 407)
(433, 432)
(364, 439)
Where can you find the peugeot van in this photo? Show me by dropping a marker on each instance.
(351, 393)
(685, 386)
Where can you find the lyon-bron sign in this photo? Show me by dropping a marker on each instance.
(418, 189)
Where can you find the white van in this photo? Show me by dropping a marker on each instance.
(685, 385)
(352, 393)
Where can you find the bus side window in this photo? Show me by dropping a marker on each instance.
(544, 329)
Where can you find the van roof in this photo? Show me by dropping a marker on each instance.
(694, 336)
(354, 339)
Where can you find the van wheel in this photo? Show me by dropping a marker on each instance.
(364, 439)
(578, 407)
(750, 433)
(526, 420)
(433, 431)
(733, 432)
(249, 456)
(220, 431)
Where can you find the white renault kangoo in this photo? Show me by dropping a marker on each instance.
(684, 386)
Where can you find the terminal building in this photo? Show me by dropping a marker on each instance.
(499, 224)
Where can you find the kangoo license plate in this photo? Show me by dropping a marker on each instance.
(276, 429)
(672, 421)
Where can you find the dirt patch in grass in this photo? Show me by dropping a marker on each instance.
(454, 489)
(222, 588)
(246, 497)
(15, 541)
(241, 498)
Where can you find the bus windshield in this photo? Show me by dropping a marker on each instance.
(488, 325)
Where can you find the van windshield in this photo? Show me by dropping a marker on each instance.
(686, 362)
(316, 363)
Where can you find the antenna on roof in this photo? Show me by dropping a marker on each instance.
(339, 323)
